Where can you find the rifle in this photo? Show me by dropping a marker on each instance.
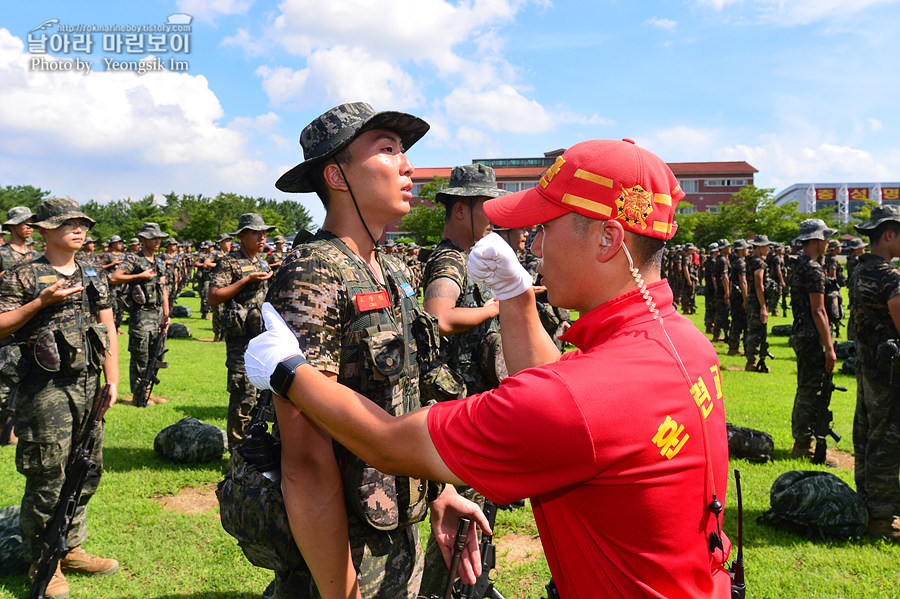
(483, 587)
(8, 416)
(148, 377)
(823, 419)
(736, 571)
(53, 541)
(764, 350)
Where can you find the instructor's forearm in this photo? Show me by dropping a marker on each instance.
(525, 342)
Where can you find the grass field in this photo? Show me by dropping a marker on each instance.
(161, 519)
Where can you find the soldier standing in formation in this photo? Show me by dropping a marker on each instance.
(875, 294)
(722, 300)
(834, 280)
(276, 256)
(204, 265)
(38, 299)
(222, 249)
(143, 275)
(757, 310)
(170, 260)
(737, 276)
(775, 264)
(18, 223)
(810, 334)
(238, 285)
(86, 253)
(110, 261)
(356, 308)
(691, 276)
(709, 295)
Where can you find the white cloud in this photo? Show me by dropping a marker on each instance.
(116, 133)
(682, 143)
(667, 24)
(875, 124)
(265, 123)
(502, 108)
(242, 39)
(208, 10)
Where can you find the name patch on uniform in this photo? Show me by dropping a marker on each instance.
(372, 301)
(407, 289)
(247, 268)
(47, 279)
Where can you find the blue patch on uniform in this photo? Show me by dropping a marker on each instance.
(407, 288)
(91, 273)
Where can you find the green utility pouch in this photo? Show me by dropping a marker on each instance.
(383, 501)
(385, 351)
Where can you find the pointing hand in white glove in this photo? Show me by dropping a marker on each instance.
(492, 261)
(266, 350)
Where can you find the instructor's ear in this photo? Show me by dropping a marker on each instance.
(611, 237)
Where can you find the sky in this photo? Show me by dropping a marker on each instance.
(803, 90)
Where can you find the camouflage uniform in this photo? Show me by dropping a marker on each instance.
(117, 294)
(9, 257)
(459, 352)
(876, 424)
(241, 321)
(834, 280)
(738, 331)
(720, 310)
(203, 274)
(144, 319)
(709, 293)
(756, 328)
(55, 404)
(807, 277)
(321, 291)
(691, 280)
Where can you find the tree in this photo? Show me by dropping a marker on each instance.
(424, 221)
(21, 195)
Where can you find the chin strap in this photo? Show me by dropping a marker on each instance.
(355, 205)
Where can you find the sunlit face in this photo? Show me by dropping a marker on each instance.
(253, 242)
(379, 175)
(149, 246)
(481, 226)
(23, 230)
(69, 236)
(566, 262)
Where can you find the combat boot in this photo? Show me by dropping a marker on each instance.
(801, 450)
(883, 527)
(750, 366)
(80, 561)
(57, 588)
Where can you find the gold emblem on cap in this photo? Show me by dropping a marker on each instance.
(635, 206)
(551, 172)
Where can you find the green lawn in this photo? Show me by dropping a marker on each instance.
(183, 552)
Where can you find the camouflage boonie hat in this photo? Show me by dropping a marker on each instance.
(53, 212)
(134, 241)
(879, 215)
(761, 240)
(713, 247)
(331, 132)
(856, 244)
(690, 246)
(741, 244)
(17, 215)
(471, 181)
(29, 240)
(252, 221)
(390, 244)
(412, 246)
(724, 243)
(171, 241)
(115, 239)
(223, 237)
(814, 228)
(90, 240)
(150, 231)
(278, 239)
(834, 244)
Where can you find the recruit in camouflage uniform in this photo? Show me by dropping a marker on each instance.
(857, 247)
(875, 293)
(221, 250)
(834, 280)
(110, 261)
(358, 327)
(810, 334)
(691, 277)
(87, 253)
(172, 272)
(275, 258)
(204, 265)
(143, 275)
(709, 293)
(737, 276)
(463, 308)
(775, 265)
(65, 342)
(238, 286)
(722, 300)
(757, 310)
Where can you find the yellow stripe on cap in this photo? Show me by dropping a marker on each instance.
(662, 227)
(597, 207)
(593, 178)
(661, 198)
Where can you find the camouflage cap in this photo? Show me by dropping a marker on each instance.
(741, 244)
(690, 246)
(278, 239)
(17, 215)
(834, 244)
(724, 243)
(90, 240)
(759, 240)
(412, 246)
(856, 244)
(252, 221)
(29, 240)
(53, 212)
(171, 241)
(331, 132)
(134, 241)
(390, 243)
(151, 231)
(713, 247)
(471, 181)
(879, 214)
(115, 239)
(814, 228)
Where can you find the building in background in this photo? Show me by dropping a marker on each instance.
(706, 184)
(846, 198)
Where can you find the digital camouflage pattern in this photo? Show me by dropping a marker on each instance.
(144, 302)
(54, 405)
(108, 262)
(9, 256)
(459, 353)
(750, 444)
(190, 441)
(817, 505)
(737, 331)
(756, 329)
(720, 310)
(244, 310)
(12, 555)
(216, 255)
(876, 425)
(324, 291)
(807, 277)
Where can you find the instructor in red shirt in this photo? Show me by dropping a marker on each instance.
(620, 444)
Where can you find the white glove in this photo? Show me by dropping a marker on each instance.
(266, 350)
(492, 261)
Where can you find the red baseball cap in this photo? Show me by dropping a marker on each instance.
(602, 179)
